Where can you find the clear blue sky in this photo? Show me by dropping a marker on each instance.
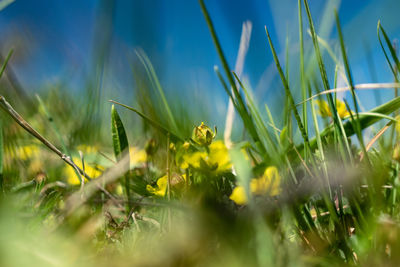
(57, 39)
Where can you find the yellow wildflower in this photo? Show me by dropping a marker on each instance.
(162, 183)
(193, 159)
(71, 176)
(324, 110)
(269, 184)
(219, 155)
(216, 159)
(239, 195)
(397, 124)
(137, 156)
(88, 149)
(26, 152)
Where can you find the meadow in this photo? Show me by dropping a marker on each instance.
(90, 183)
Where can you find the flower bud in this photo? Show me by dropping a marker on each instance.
(203, 135)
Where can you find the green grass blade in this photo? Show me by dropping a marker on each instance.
(3, 67)
(255, 113)
(351, 84)
(53, 125)
(320, 147)
(155, 124)
(271, 120)
(302, 69)
(338, 125)
(366, 120)
(391, 49)
(120, 145)
(278, 139)
(1, 157)
(287, 90)
(247, 120)
(226, 88)
(156, 83)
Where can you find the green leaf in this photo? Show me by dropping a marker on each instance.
(391, 49)
(120, 144)
(120, 141)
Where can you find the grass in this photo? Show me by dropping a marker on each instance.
(292, 190)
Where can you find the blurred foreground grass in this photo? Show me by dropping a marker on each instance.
(287, 193)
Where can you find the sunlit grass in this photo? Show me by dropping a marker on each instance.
(306, 188)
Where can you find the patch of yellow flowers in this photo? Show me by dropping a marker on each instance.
(177, 183)
(324, 110)
(137, 157)
(215, 159)
(269, 183)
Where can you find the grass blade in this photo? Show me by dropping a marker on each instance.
(366, 120)
(336, 120)
(391, 49)
(156, 83)
(151, 122)
(351, 83)
(5, 62)
(255, 113)
(302, 70)
(287, 90)
(1, 157)
(247, 120)
(53, 125)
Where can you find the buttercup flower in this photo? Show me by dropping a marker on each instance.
(88, 149)
(177, 182)
(216, 159)
(73, 179)
(269, 183)
(324, 110)
(26, 152)
(137, 156)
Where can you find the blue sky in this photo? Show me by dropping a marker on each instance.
(56, 40)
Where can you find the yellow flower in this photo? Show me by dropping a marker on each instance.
(269, 183)
(397, 124)
(162, 183)
(239, 195)
(26, 152)
(219, 155)
(324, 110)
(216, 159)
(137, 156)
(71, 176)
(193, 159)
(88, 149)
